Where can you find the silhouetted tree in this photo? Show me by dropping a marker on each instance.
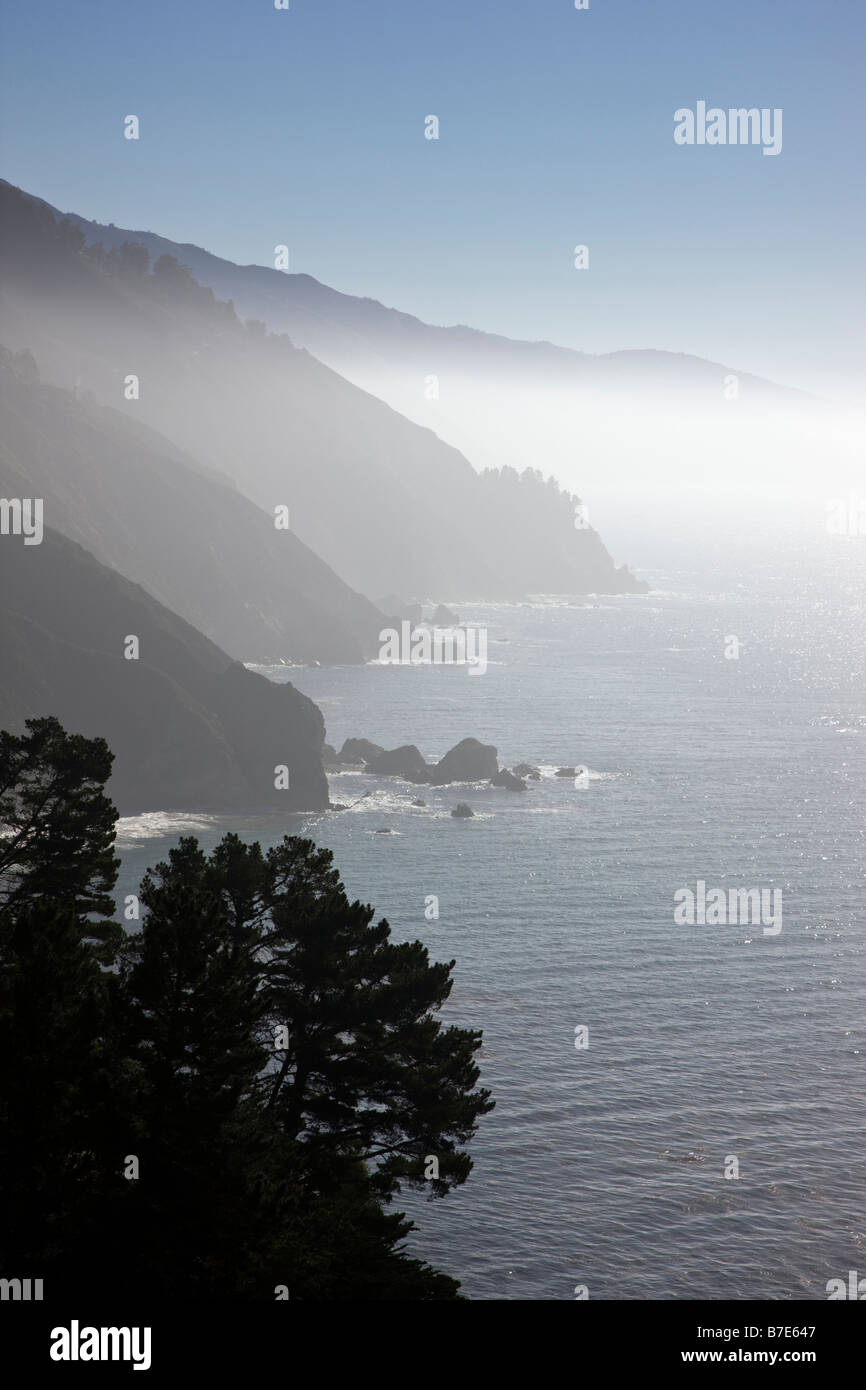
(59, 1088)
(61, 1077)
(226, 1101)
(190, 1013)
(368, 1068)
(59, 827)
(351, 1086)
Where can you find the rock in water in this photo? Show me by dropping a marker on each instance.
(462, 810)
(358, 750)
(330, 759)
(508, 780)
(394, 607)
(467, 761)
(405, 761)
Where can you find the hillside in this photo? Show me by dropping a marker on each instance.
(388, 505)
(623, 426)
(189, 727)
(193, 541)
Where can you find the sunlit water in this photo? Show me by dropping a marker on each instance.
(606, 1166)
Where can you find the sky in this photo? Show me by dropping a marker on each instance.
(306, 127)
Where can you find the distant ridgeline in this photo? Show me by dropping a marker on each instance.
(384, 502)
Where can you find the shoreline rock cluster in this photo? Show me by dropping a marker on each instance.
(468, 761)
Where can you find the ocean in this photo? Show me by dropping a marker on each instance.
(708, 1140)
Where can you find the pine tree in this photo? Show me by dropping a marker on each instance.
(191, 1011)
(59, 826)
(291, 1055)
(368, 1069)
(58, 1095)
(62, 1073)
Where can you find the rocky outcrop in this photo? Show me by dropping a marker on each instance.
(405, 761)
(359, 750)
(467, 761)
(443, 617)
(462, 811)
(507, 779)
(397, 608)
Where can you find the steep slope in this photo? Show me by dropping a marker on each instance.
(623, 426)
(195, 543)
(386, 503)
(189, 727)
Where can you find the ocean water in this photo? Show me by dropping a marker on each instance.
(605, 1166)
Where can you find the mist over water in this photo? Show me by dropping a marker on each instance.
(605, 1167)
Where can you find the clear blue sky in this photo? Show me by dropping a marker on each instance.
(556, 127)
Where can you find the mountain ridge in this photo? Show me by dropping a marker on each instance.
(220, 270)
(384, 501)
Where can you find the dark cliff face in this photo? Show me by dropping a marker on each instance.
(190, 728)
(382, 500)
(196, 544)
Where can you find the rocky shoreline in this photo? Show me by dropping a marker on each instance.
(468, 761)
